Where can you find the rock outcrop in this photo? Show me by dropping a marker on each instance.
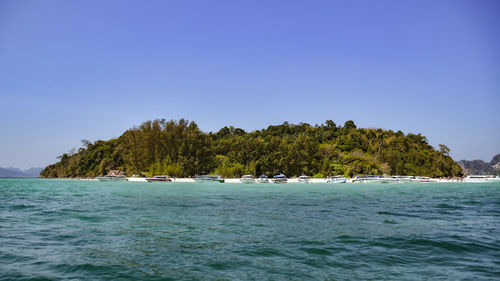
(477, 167)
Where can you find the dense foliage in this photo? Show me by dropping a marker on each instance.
(181, 149)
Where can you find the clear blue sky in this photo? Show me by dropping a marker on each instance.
(72, 70)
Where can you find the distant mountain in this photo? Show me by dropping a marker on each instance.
(477, 167)
(18, 173)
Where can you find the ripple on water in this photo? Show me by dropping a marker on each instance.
(396, 214)
(448, 206)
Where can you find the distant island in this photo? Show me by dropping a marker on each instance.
(18, 173)
(181, 149)
(477, 167)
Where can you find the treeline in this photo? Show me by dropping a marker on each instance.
(181, 149)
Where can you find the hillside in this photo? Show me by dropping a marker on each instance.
(18, 173)
(180, 148)
(477, 167)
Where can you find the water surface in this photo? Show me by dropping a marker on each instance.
(64, 229)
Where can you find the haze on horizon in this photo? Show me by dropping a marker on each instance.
(92, 69)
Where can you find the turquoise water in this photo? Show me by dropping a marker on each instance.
(62, 229)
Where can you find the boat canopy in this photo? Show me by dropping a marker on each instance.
(279, 176)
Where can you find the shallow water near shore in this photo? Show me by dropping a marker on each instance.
(83, 230)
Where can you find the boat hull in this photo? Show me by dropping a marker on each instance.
(111, 178)
(158, 180)
(336, 181)
(208, 180)
(279, 181)
(137, 179)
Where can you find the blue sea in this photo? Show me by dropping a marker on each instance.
(85, 230)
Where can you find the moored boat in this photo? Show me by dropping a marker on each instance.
(336, 179)
(208, 179)
(401, 179)
(495, 179)
(263, 179)
(385, 180)
(427, 179)
(303, 179)
(248, 179)
(368, 179)
(137, 178)
(162, 178)
(479, 178)
(111, 178)
(281, 178)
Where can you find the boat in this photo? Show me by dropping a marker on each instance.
(422, 179)
(426, 179)
(495, 179)
(401, 179)
(303, 179)
(479, 178)
(208, 178)
(336, 179)
(112, 178)
(263, 179)
(113, 175)
(247, 179)
(385, 180)
(368, 179)
(163, 178)
(137, 178)
(281, 178)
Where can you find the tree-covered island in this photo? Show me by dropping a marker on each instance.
(181, 149)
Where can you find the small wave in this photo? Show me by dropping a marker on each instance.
(396, 214)
(21, 207)
(91, 218)
(450, 246)
(310, 242)
(266, 252)
(447, 206)
(13, 258)
(316, 251)
(81, 270)
(226, 265)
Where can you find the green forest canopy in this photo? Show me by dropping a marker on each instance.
(181, 149)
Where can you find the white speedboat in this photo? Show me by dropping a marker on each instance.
(137, 178)
(112, 178)
(479, 178)
(208, 178)
(247, 179)
(336, 179)
(303, 179)
(263, 179)
(368, 179)
(495, 179)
